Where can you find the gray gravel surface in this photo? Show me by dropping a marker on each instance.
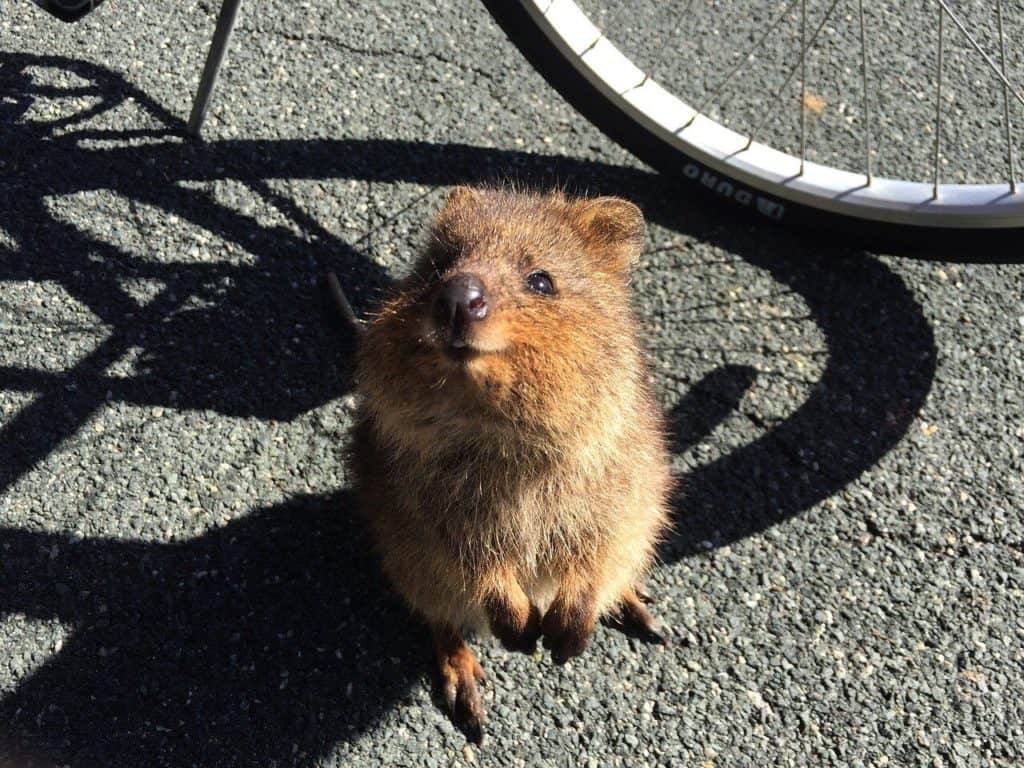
(182, 581)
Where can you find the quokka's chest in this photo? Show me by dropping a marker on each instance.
(532, 525)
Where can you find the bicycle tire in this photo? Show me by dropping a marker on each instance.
(602, 106)
(68, 11)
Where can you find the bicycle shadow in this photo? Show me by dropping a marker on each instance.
(238, 647)
(260, 643)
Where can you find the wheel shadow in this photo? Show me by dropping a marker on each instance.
(270, 640)
(879, 368)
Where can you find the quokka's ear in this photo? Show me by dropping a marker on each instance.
(613, 229)
(460, 197)
(460, 201)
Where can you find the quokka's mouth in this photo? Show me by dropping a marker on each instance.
(461, 353)
(462, 345)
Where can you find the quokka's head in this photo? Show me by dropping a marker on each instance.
(517, 313)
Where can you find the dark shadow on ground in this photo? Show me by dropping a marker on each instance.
(260, 643)
(879, 368)
(230, 648)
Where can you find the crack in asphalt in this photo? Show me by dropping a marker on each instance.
(340, 44)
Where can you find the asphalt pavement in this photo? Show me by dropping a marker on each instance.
(182, 579)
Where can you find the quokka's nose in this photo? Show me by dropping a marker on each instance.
(461, 301)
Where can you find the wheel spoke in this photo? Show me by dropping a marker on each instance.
(717, 91)
(665, 49)
(805, 45)
(938, 105)
(864, 83)
(803, 83)
(974, 44)
(1006, 98)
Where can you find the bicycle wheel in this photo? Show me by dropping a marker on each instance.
(984, 221)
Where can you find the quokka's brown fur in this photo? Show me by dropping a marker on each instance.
(520, 483)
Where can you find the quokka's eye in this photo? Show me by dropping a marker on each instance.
(540, 282)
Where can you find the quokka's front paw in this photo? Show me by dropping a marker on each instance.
(567, 630)
(518, 636)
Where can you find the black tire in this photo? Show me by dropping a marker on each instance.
(943, 243)
(68, 10)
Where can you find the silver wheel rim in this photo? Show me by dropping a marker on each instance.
(745, 170)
